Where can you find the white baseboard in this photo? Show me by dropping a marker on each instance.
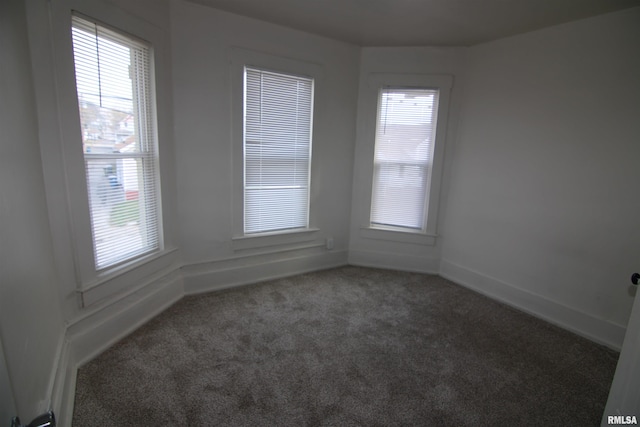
(248, 269)
(586, 325)
(56, 376)
(94, 333)
(64, 387)
(418, 264)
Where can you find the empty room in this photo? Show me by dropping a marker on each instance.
(450, 233)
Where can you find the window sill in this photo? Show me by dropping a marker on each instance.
(263, 240)
(398, 235)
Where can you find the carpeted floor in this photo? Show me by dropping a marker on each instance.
(345, 347)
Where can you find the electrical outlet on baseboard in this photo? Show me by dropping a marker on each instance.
(329, 243)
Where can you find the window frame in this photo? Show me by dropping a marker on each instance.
(63, 159)
(149, 145)
(246, 189)
(241, 58)
(375, 83)
(426, 165)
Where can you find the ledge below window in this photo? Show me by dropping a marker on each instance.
(398, 235)
(116, 280)
(262, 240)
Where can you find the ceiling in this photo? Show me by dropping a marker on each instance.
(418, 22)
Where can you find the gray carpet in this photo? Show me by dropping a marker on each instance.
(346, 347)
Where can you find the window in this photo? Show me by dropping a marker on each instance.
(402, 133)
(404, 147)
(278, 110)
(115, 98)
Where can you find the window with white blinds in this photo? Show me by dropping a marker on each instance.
(278, 120)
(113, 82)
(404, 147)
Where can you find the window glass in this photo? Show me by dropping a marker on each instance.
(118, 140)
(278, 111)
(404, 146)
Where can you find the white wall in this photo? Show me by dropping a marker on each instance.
(96, 313)
(410, 60)
(31, 327)
(543, 205)
(203, 43)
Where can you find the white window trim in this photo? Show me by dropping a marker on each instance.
(239, 59)
(375, 82)
(401, 235)
(78, 193)
(149, 154)
(276, 238)
(63, 160)
(262, 82)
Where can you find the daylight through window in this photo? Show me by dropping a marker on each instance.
(277, 150)
(118, 140)
(404, 147)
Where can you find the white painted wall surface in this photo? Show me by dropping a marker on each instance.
(410, 60)
(31, 327)
(543, 206)
(203, 43)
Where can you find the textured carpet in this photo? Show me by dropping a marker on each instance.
(348, 346)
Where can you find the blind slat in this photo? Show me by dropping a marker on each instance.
(405, 135)
(113, 85)
(277, 150)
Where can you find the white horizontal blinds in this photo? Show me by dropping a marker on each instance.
(118, 135)
(405, 135)
(277, 150)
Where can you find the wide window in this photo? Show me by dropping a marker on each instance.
(403, 159)
(115, 98)
(278, 110)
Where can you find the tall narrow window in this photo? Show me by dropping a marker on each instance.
(404, 147)
(113, 82)
(277, 150)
